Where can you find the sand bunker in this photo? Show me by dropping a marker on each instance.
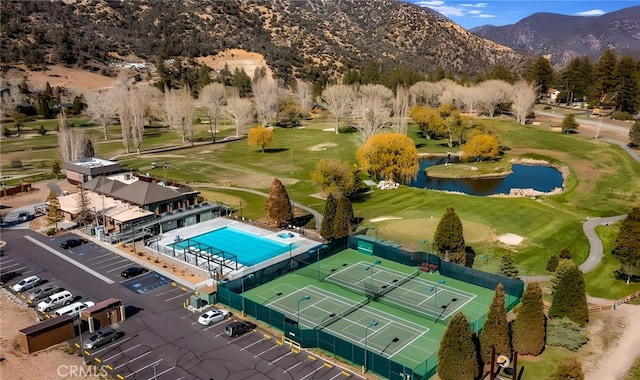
(510, 239)
(321, 147)
(382, 218)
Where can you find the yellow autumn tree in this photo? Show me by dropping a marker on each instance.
(334, 177)
(390, 156)
(481, 147)
(260, 136)
(429, 120)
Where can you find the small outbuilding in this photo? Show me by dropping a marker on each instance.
(46, 333)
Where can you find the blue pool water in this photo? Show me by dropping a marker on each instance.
(250, 249)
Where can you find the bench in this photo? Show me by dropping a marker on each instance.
(429, 268)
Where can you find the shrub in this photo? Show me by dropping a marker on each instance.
(546, 108)
(6, 132)
(552, 263)
(565, 333)
(42, 131)
(621, 115)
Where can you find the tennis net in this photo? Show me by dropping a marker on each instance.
(331, 319)
(394, 285)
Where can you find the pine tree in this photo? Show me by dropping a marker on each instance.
(343, 217)
(328, 217)
(569, 124)
(563, 266)
(569, 298)
(565, 253)
(83, 205)
(448, 239)
(627, 246)
(495, 332)
(508, 266)
(279, 210)
(552, 263)
(54, 214)
(528, 330)
(567, 369)
(457, 355)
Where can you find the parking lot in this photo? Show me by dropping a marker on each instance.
(160, 338)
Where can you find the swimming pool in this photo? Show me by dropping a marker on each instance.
(249, 248)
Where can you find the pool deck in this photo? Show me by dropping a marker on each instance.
(299, 243)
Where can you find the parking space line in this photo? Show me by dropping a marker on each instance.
(214, 325)
(292, 367)
(115, 263)
(161, 373)
(312, 373)
(265, 351)
(168, 291)
(132, 360)
(172, 298)
(120, 353)
(339, 374)
(145, 367)
(9, 266)
(118, 268)
(281, 357)
(97, 257)
(70, 260)
(254, 343)
(111, 346)
(115, 257)
(238, 338)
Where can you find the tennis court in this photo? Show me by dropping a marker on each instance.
(375, 330)
(433, 300)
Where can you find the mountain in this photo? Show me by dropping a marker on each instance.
(566, 37)
(297, 38)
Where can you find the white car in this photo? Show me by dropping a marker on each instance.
(213, 316)
(26, 283)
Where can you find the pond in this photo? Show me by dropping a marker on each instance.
(541, 178)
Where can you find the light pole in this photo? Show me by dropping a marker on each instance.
(241, 211)
(81, 344)
(165, 165)
(290, 256)
(370, 267)
(304, 298)
(366, 335)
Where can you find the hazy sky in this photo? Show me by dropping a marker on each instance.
(503, 12)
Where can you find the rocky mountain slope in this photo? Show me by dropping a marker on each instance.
(300, 38)
(565, 37)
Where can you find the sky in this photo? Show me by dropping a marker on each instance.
(470, 14)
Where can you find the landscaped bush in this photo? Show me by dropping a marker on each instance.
(50, 232)
(566, 333)
(621, 115)
(546, 108)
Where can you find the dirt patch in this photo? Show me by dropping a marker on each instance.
(38, 194)
(69, 78)
(236, 58)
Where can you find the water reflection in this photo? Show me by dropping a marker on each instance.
(540, 178)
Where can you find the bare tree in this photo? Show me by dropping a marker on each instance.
(424, 93)
(266, 94)
(121, 95)
(178, 106)
(401, 109)
(240, 111)
(468, 98)
(492, 93)
(73, 145)
(523, 96)
(302, 93)
(339, 100)
(214, 97)
(372, 109)
(450, 90)
(100, 107)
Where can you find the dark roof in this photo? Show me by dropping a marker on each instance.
(143, 193)
(108, 187)
(101, 305)
(95, 183)
(47, 324)
(186, 190)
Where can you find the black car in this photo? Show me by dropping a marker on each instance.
(6, 277)
(70, 243)
(132, 272)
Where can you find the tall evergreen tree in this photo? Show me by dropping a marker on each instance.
(242, 82)
(567, 369)
(278, 206)
(508, 267)
(344, 215)
(626, 78)
(627, 246)
(528, 330)
(54, 214)
(328, 217)
(569, 124)
(448, 239)
(578, 77)
(541, 74)
(569, 298)
(563, 266)
(604, 76)
(552, 263)
(495, 332)
(457, 355)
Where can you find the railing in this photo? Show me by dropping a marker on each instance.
(612, 306)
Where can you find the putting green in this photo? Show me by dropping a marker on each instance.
(421, 229)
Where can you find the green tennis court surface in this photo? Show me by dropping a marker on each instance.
(365, 326)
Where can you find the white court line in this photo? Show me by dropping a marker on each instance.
(118, 343)
(132, 360)
(161, 373)
(70, 260)
(408, 343)
(120, 353)
(145, 367)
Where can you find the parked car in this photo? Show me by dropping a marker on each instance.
(70, 243)
(43, 291)
(24, 216)
(235, 329)
(133, 271)
(55, 301)
(26, 283)
(213, 316)
(100, 338)
(6, 277)
(73, 309)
